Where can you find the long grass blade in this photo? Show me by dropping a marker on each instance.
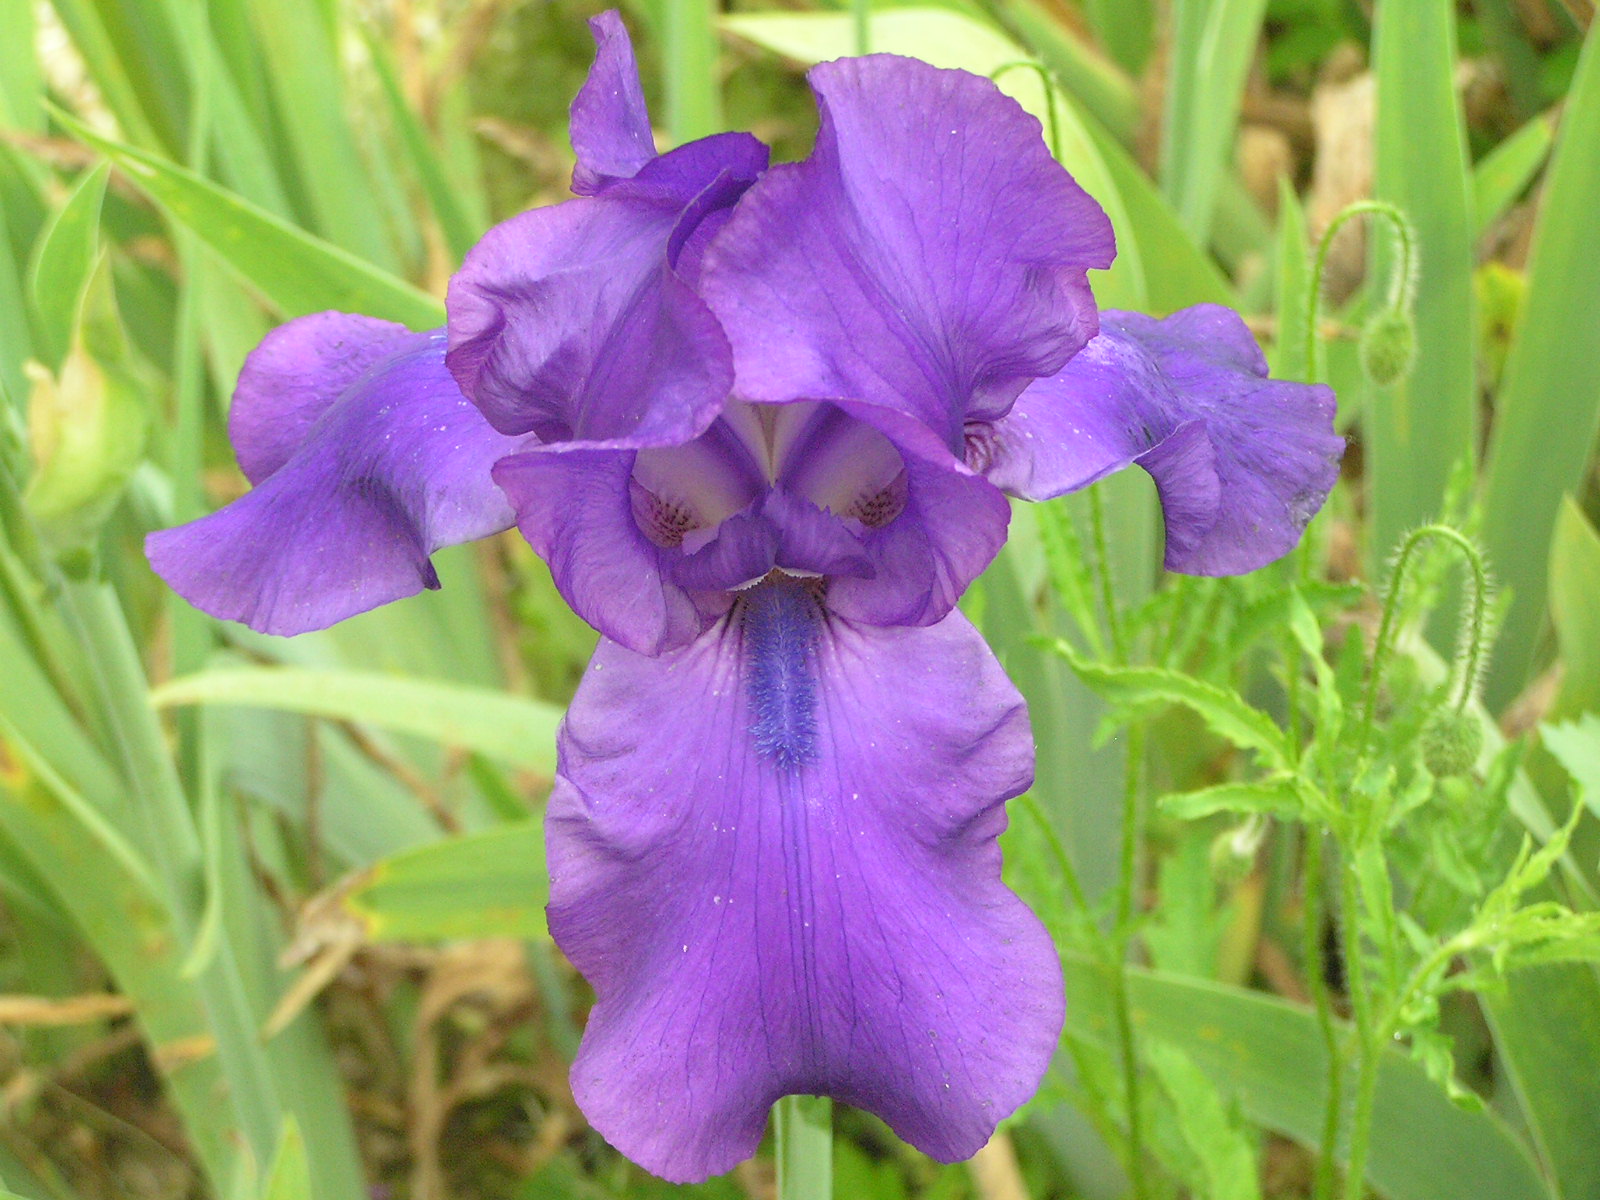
(517, 730)
(303, 69)
(1213, 41)
(1269, 1057)
(1505, 172)
(487, 884)
(1548, 408)
(1421, 428)
(298, 273)
(1546, 1024)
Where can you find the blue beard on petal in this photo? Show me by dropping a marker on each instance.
(779, 619)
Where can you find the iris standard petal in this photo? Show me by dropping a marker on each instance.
(773, 853)
(572, 322)
(568, 322)
(929, 256)
(610, 125)
(368, 474)
(1242, 462)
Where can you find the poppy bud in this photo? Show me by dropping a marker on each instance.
(1388, 346)
(1451, 743)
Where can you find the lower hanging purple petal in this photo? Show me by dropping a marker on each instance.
(369, 472)
(773, 853)
(1242, 461)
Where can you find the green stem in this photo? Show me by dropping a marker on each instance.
(1355, 974)
(863, 26)
(1127, 887)
(804, 1127)
(1402, 285)
(694, 100)
(1361, 1122)
(1311, 951)
(1102, 554)
(1052, 117)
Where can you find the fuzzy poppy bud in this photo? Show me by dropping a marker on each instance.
(1388, 346)
(1451, 743)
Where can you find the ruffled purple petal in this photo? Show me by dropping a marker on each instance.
(1242, 462)
(567, 322)
(366, 475)
(814, 541)
(573, 322)
(773, 854)
(697, 178)
(928, 257)
(295, 375)
(610, 125)
(742, 550)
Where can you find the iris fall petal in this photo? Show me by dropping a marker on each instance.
(773, 855)
(1242, 461)
(366, 474)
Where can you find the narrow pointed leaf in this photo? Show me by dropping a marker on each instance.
(1548, 409)
(1420, 428)
(296, 272)
(1268, 1056)
(514, 729)
(64, 260)
(487, 884)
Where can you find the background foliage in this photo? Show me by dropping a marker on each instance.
(1324, 870)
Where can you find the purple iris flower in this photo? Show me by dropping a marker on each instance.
(762, 424)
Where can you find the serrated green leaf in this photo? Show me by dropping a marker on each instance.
(1281, 796)
(487, 884)
(1224, 712)
(514, 729)
(1227, 1158)
(295, 271)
